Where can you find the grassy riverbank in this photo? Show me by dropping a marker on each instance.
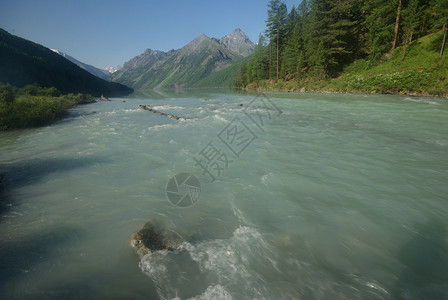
(35, 106)
(419, 72)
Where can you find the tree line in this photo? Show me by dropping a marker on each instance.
(318, 38)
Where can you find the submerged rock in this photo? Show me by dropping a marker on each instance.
(151, 237)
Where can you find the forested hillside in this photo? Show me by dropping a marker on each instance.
(23, 62)
(321, 39)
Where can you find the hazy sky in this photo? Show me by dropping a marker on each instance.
(110, 32)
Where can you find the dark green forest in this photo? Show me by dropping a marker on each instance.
(320, 40)
(23, 62)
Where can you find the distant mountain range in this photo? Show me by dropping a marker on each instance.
(101, 73)
(112, 69)
(204, 62)
(23, 62)
(104, 74)
(197, 64)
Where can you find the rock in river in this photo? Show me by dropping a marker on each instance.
(151, 237)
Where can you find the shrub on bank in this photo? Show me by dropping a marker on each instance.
(34, 105)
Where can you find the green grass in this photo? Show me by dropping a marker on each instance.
(421, 71)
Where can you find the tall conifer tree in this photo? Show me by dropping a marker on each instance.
(276, 25)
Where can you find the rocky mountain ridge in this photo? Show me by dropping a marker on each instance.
(187, 66)
(238, 42)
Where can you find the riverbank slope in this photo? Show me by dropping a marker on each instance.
(417, 70)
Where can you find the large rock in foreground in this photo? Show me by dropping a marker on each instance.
(151, 238)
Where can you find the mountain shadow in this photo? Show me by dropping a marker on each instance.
(16, 175)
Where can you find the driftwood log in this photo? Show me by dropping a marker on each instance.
(145, 107)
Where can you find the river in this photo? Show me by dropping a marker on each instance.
(300, 196)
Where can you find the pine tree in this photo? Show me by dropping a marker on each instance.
(359, 33)
(397, 26)
(291, 46)
(441, 20)
(380, 21)
(411, 20)
(242, 81)
(291, 52)
(276, 24)
(304, 26)
(258, 66)
(330, 36)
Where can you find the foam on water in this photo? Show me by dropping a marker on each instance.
(422, 100)
(227, 264)
(168, 107)
(216, 292)
(339, 197)
(133, 110)
(265, 178)
(219, 118)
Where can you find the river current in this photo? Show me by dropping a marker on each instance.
(301, 196)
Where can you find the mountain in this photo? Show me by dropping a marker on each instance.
(224, 78)
(112, 70)
(23, 62)
(188, 66)
(238, 42)
(132, 70)
(89, 68)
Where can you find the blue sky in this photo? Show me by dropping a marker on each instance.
(108, 33)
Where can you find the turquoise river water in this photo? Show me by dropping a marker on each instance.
(302, 196)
